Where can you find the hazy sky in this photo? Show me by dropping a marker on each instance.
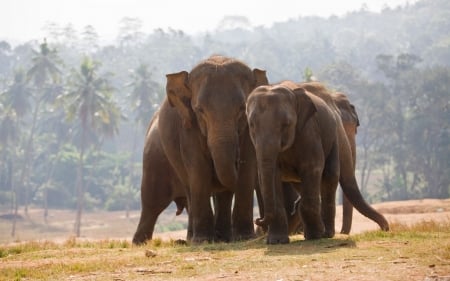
(24, 20)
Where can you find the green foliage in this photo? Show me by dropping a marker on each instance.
(393, 65)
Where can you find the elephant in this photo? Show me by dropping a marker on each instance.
(204, 136)
(160, 184)
(299, 138)
(350, 121)
(340, 103)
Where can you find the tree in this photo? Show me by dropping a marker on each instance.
(398, 72)
(45, 76)
(90, 104)
(89, 39)
(144, 94)
(428, 131)
(144, 99)
(130, 32)
(17, 99)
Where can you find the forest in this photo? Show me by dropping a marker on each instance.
(74, 110)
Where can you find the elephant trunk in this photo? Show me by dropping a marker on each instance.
(225, 155)
(267, 181)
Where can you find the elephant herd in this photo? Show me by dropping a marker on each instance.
(223, 132)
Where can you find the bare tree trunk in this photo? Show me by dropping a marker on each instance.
(14, 203)
(80, 187)
(80, 195)
(28, 155)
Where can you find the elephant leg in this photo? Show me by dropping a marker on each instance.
(291, 200)
(222, 215)
(151, 210)
(328, 209)
(201, 214)
(278, 230)
(190, 230)
(330, 181)
(310, 205)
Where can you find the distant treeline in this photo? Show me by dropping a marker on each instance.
(73, 112)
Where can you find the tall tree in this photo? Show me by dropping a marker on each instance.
(144, 99)
(44, 75)
(428, 131)
(398, 71)
(91, 106)
(17, 100)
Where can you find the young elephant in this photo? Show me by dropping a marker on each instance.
(350, 122)
(298, 138)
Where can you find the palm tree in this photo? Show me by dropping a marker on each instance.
(144, 98)
(91, 106)
(144, 94)
(16, 104)
(44, 75)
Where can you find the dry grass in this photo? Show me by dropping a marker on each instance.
(408, 252)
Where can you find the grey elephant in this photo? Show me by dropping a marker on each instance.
(204, 136)
(299, 137)
(350, 122)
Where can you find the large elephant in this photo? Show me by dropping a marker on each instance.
(350, 122)
(299, 137)
(204, 136)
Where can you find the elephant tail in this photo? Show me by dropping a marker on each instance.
(350, 186)
(351, 191)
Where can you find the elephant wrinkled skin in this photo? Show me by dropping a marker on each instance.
(299, 138)
(204, 136)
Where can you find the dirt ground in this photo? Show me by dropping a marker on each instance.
(115, 225)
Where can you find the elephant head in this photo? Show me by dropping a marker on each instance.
(275, 114)
(211, 98)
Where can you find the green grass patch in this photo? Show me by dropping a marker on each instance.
(422, 250)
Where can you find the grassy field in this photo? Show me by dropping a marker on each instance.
(408, 252)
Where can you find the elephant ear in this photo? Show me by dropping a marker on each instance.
(179, 96)
(305, 106)
(260, 77)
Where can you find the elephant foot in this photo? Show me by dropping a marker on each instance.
(277, 239)
(244, 236)
(196, 239)
(141, 239)
(329, 234)
(312, 235)
(345, 231)
(220, 237)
